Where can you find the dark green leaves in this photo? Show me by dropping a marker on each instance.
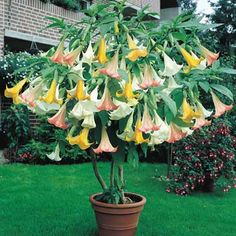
(169, 102)
(222, 89)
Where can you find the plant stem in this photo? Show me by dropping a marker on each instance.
(121, 176)
(112, 173)
(97, 173)
(169, 160)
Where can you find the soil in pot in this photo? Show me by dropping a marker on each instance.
(120, 219)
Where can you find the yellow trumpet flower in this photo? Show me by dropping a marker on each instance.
(81, 139)
(138, 135)
(116, 27)
(102, 58)
(79, 92)
(136, 52)
(52, 94)
(192, 61)
(131, 42)
(14, 91)
(128, 90)
(189, 113)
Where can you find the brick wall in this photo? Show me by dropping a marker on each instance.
(28, 16)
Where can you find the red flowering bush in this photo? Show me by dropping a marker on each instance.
(204, 160)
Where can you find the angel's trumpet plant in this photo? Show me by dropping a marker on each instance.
(137, 137)
(71, 57)
(102, 57)
(52, 95)
(88, 56)
(105, 144)
(136, 52)
(150, 78)
(188, 112)
(81, 139)
(128, 93)
(55, 155)
(211, 57)
(58, 119)
(147, 123)
(112, 67)
(171, 67)
(192, 61)
(220, 107)
(79, 92)
(14, 91)
(175, 133)
(106, 102)
(31, 94)
(58, 56)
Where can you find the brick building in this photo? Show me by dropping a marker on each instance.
(22, 21)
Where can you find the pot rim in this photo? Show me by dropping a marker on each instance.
(118, 206)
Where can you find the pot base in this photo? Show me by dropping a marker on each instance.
(120, 219)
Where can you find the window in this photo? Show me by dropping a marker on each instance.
(84, 4)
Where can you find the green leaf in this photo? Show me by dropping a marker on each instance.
(227, 70)
(169, 102)
(133, 157)
(104, 117)
(205, 86)
(179, 36)
(123, 74)
(222, 89)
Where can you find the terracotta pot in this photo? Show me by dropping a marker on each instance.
(120, 219)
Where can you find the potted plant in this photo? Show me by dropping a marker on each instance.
(119, 86)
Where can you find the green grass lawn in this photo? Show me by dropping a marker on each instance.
(53, 200)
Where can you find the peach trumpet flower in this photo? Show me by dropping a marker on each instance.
(147, 123)
(106, 102)
(105, 144)
(151, 79)
(200, 122)
(71, 57)
(220, 107)
(30, 95)
(58, 119)
(210, 56)
(58, 56)
(175, 134)
(112, 67)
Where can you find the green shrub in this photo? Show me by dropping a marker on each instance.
(11, 63)
(16, 127)
(67, 4)
(208, 156)
(44, 142)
